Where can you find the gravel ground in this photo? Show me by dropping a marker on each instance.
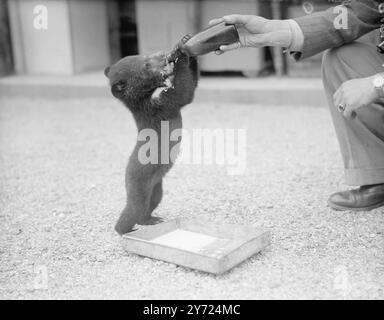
(62, 188)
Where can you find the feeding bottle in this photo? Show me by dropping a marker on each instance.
(210, 39)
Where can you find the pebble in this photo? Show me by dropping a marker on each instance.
(101, 257)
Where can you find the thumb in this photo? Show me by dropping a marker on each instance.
(215, 21)
(236, 19)
(231, 19)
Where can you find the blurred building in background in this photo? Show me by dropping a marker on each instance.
(86, 35)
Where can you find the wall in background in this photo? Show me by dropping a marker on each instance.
(76, 39)
(6, 61)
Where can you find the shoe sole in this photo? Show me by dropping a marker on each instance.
(341, 208)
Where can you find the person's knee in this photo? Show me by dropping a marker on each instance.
(338, 62)
(328, 67)
(346, 55)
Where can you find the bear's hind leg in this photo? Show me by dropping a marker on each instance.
(156, 196)
(138, 203)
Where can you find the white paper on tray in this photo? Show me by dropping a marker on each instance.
(187, 240)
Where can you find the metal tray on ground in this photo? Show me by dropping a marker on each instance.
(196, 244)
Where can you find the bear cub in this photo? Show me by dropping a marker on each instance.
(154, 88)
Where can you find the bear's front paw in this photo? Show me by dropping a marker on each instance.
(168, 82)
(168, 70)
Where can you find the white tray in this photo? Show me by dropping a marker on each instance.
(196, 244)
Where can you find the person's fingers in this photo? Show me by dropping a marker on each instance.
(340, 103)
(215, 21)
(236, 19)
(246, 40)
(349, 112)
(229, 47)
(337, 97)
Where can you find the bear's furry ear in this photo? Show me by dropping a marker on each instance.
(118, 89)
(106, 71)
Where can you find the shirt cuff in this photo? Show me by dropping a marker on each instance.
(297, 36)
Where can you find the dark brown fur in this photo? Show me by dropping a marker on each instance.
(134, 80)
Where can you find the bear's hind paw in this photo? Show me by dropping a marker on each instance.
(152, 221)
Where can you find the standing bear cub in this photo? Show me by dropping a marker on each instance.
(154, 88)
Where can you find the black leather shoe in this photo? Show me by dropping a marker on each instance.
(364, 198)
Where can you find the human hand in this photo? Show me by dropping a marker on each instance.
(354, 94)
(255, 31)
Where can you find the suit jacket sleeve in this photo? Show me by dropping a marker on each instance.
(320, 32)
